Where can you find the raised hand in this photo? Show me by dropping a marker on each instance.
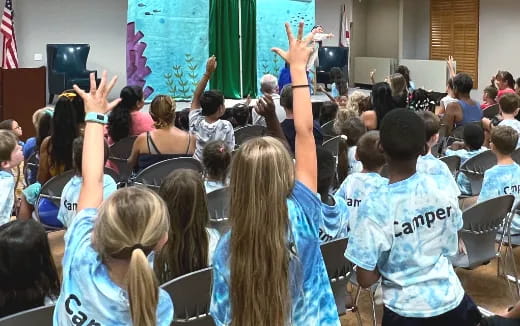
(96, 100)
(299, 51)
(265, 106)
(211, 65)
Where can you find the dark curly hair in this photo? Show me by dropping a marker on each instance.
(120, 120)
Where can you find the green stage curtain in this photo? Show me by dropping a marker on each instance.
(224, 44)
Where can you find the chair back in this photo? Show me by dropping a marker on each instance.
(48, 202)
(191, 296)
(41, 316)
(453, 163)
(243, 134)
(67, 58)
(481, 224)
(459, 131)
(475, 167)
(119, 154)
(339, 270)
(153, 176)
(218, 208)
(328, 129)
(332, 145)
(31, 168)
(53, 188)
(113, 173)
(516, 156)
(491, 111)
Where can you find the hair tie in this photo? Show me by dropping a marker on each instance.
(138, 246)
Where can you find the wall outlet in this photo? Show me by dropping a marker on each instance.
(38, 57)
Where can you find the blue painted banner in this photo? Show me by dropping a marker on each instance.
(271, 16)
(167, 45)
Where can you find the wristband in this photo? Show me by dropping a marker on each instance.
(300, 86)
(96, 117)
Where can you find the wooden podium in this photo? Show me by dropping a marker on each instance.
(22, 91)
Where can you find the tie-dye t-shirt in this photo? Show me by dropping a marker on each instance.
(312, 299)
(6, 196)
(432, 166)
(70, 197)
(464, 154)
(335, 219)
(355, 189)
(88, 295)
(406, 233)
(502, 180)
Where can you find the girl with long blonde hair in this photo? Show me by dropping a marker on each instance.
(107, 279)
(268, 270)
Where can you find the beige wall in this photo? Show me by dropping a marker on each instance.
(101, 23)
(382, 23)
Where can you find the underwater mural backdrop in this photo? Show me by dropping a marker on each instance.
(168, 45)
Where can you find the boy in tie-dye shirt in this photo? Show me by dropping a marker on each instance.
(429, 164)
(504, 178)
(357, 187)
(472, 146)
(406, 231)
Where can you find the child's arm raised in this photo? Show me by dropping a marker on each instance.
(211, 66)
(305, 150)
(91, 194)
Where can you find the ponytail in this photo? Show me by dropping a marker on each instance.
(120, 120)
(142, 290)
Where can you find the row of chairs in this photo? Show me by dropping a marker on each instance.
(480, 233)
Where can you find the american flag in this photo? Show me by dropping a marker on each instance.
(9, 54)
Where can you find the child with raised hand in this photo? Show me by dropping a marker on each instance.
(472, 145)
(503, 178)
(334, 208)
(107, 279)
(268, 270)
(191, 242)
(10, 157)
(206, 109)
(429, 164)
(216, 160)
(357, 186)
(28, 276)
(70, 193)
(406, 234)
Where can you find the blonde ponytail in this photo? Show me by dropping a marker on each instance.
(142, 290)
(130, 225)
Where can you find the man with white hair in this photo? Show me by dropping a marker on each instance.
(269, 86)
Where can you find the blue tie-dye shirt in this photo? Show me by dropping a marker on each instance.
(432, 166)
(335, 220)
(464, 154)
(355, 189)
(6, 196)
(406, 232)
(312, 299)
(70, 197)
(502, 180)
(88, 295)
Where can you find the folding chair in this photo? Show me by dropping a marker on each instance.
(459, 131)
(245, 133)
(339, 270)
(153, 176)
(191, 296)
(51, 191)
(328, 130)
(491, 111)
(41, 316)
(507, 258)
(333, 145)
(119, 154)
(453, 163)
(218, 208)
(31, 168)
(475, 167)
(113, 173)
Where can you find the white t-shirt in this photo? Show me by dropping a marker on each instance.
(513, 123)
(6, 196)
(446, 100)
(353, 164)
(206, 132)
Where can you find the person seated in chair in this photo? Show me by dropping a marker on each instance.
(165, 142)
